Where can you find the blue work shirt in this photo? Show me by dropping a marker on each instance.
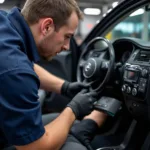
(20, 111)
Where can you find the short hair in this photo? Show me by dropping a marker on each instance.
(58, 10)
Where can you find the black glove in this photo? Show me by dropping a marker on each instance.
(82, 104)
(71, 89)
(85, 131)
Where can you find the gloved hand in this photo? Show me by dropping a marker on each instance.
(82, 104)
(85, 131)
(71, 89)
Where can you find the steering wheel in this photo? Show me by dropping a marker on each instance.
(92, 68)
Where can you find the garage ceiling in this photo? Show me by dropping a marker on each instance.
(96, 3)
(82, 3)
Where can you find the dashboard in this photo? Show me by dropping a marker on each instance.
(134, 55)
(130, 79)
(119, 71)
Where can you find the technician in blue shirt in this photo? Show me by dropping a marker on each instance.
(42, 27)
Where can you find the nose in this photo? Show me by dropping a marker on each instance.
(66, 46)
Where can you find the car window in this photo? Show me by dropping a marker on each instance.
(85, 27)
(136, 25)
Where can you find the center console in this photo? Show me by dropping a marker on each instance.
(135, 80)
(135, 83)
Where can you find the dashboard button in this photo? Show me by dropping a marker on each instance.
(142, 85)
(124, 87)
(144, 73)
(134, 104)
(142, 80)
(134, 91)
(142, 89)
(128, 89)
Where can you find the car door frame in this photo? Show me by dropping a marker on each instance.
(117, 14)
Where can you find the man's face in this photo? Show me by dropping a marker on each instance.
(56, 41)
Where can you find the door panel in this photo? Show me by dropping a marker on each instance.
(60, 65)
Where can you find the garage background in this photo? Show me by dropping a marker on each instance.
(85, 26)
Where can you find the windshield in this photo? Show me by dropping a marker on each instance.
(135, 25)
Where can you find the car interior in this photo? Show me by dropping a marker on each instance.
(118, 68)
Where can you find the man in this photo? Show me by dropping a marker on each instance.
(43, 27)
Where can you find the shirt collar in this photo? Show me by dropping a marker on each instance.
(23, 29)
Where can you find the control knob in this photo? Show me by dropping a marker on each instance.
(144, 72)
(128, 89)
(134, 91)
(124, 87)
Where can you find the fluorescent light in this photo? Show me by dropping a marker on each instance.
(109, 10)
(104, 15)
(138, 12)
(115, 4)
(92, 11)
(2, 1)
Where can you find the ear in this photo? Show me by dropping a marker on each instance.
(47, 26)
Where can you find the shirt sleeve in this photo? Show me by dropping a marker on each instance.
(20, 111)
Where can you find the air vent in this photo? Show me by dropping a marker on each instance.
(143, 56)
